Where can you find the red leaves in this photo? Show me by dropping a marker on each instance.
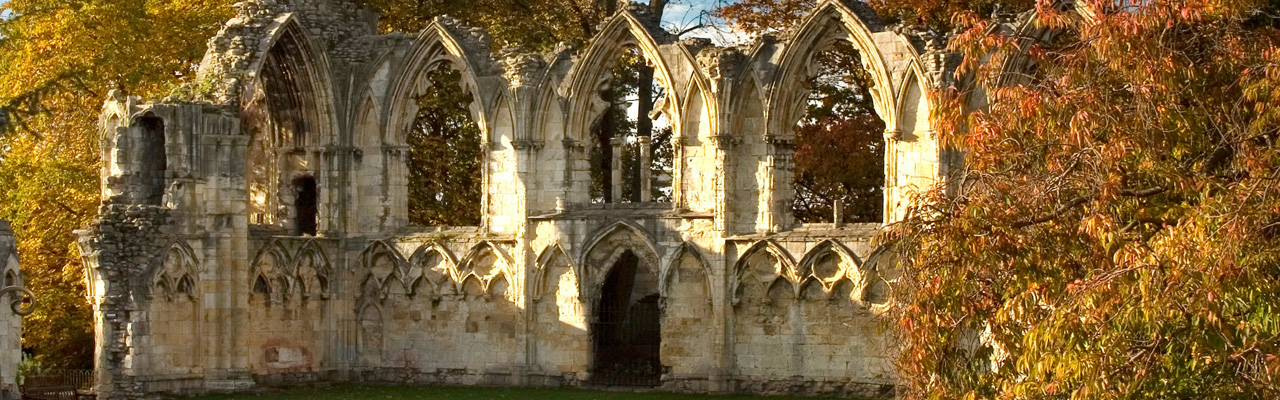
(1163, 118)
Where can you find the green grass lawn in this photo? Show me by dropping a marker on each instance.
(356, 392)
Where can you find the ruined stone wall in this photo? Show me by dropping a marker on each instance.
(10, 320)
(205, 277)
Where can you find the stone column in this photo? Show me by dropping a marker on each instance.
(891, 138)
(615, 169)
(837, 212)
(646, 173)
(726, 189)
(776, 191)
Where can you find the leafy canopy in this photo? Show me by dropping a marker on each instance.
(57, 59)
(1114, 232)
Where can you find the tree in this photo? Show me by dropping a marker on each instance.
(444, 152)
(56, 60)
(840, 121)
(1113, 233)
(532, 25)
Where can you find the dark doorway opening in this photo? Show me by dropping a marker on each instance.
(153, 163)
(305, 205)
(626, 329)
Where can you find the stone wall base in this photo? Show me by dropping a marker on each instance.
(195, 384)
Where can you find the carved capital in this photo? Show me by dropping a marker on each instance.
(725, 142)
(780, 141)
(570, 144)
(527, 144)
(892, 135)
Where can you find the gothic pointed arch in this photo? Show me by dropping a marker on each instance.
(550, 109)
(819, 263)
(175, 273)
(471, 285)
(593, 69)
(273, 248)
(879, 274)
(378, 248)
(381, 261)
(467, 53)
(786, 263)
(811, 288)
(498, 286)
(368, 131)
(486, 259)
(267, 269)
(287, 104)
(437, 263)
(672, 270)
(760, 266)
(370, 333)
(294, 68)
(314, 272)
(607, 245)
(831, 20)
(550, 255)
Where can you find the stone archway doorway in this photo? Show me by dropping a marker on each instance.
(626, 331)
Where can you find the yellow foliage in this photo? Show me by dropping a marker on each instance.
(70, 54)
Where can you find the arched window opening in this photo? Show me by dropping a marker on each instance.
(840, 148)
(306, 205)
(444, 154)
(261, 286)
(152, 165)
(186, 285)
(283, 116)
(632, 155)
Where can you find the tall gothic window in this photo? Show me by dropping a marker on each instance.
(840, 149)
(152, 165)
(445, 154)
(631, 154)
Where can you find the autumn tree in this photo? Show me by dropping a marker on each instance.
(57, 59)
(1115, 229)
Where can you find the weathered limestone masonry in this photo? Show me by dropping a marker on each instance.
(255, 226)
(10, 319)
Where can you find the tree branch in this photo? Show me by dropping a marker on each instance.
(1073, 203)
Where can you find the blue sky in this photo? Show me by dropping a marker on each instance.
(684, 14)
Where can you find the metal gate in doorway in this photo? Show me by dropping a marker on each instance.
(626, 342)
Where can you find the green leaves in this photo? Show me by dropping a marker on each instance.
(444, 155)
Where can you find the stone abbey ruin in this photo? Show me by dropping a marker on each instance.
(255, 227)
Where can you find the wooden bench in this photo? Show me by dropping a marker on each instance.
(53, 387)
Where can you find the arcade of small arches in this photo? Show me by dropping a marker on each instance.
(634, 222)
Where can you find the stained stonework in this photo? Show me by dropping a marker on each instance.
(255, 224)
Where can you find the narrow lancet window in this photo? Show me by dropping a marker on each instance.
(444, 154)
(152, 164)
